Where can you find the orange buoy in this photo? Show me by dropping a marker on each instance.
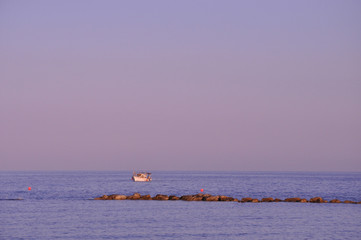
(29, 188)
(202, 190)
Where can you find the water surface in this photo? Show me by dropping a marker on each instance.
(59, 206)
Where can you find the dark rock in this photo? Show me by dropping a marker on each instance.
(104, 197)
(111, 197)
(316, 200)
(277, 200)
(267, 199)
(146, 197)
(225, 198)
(117, 197)
(160, 197)
(202, 195)
(135, 196)
(187, 197)
(172, 197)
(335, 201)
(198, 197)
(292, 200)
(348, 201)
(246, 199)
(211, 198)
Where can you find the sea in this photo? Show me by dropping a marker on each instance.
(60, 205)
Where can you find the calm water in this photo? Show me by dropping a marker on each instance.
(59, 206)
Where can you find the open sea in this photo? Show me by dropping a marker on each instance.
(60, 206)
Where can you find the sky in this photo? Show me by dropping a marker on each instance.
(185, 85)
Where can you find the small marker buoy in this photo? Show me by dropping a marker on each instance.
(202, 190)
(29, 188)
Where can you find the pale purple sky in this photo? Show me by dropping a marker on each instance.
(180, 85)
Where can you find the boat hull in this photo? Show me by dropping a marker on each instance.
(141, 179)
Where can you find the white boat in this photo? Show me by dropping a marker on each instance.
(141, 177)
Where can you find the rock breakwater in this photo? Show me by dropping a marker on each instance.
(217, 198)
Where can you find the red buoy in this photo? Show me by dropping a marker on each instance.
(202, 190)
(29, 188)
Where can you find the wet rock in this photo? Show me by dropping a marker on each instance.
(161, 197)
(146, 197)
(198, 197)
(246, 199)
(104, 197)
(267, 199)
(187, 197)
(117, 197)
(112, 197)
(201, 195)
(211, 198)
(255, 200)
(207, 195)
(316, 200)
(172, 197)
(135, 196)
(292, 200)
(225, 199)
(191, 197)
